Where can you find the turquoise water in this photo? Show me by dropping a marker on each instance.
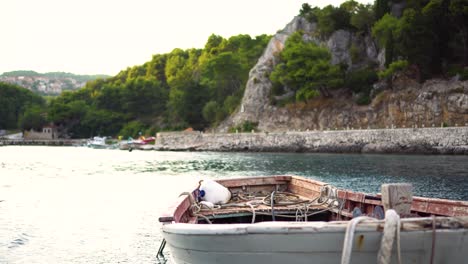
(80, 205)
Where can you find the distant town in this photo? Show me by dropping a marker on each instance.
(53, 83)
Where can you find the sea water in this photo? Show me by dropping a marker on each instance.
(82, 205)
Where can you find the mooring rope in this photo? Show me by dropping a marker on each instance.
(391, 232)
(348, 239)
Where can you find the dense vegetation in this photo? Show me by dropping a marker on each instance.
(428, 36)
(20, 108)
(304, 69)
(184, 88)
(199, 88)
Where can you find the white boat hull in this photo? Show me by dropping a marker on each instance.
(299, 242)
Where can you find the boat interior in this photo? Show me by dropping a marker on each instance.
(293, 198)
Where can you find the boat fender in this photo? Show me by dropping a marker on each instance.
(207, 204)
(357, 212)
(379, 212)
(213, 192)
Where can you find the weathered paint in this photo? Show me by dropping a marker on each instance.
(310, 189)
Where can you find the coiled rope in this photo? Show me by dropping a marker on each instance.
(328, 198)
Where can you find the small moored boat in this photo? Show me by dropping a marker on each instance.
(97, 142)
(291, 219)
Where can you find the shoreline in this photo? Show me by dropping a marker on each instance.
(452, 140)
(437, 141)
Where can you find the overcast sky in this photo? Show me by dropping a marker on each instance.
(106, 36)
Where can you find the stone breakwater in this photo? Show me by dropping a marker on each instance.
(452, 140)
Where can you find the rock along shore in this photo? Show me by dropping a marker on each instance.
(453, 140)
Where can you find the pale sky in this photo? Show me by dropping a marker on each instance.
(107, 36)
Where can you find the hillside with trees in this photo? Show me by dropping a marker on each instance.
(20, 108)
(202, 88)
(184, 88)
(428, 38)
(360, 66)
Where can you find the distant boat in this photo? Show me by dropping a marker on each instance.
(131, 143)
(98, 143)
(142, 140)
(291, 219)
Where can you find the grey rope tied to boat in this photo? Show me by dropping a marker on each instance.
(272, 205)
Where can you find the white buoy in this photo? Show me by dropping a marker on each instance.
(214, 192)
(207, 204)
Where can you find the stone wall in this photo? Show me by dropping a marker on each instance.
(33, 135)
(453, 140)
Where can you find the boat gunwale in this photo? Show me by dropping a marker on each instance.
(407, 225)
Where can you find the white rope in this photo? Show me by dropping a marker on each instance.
(391, 231)
(204, 217)
(253, 211)
(349, 236)
(299, 215)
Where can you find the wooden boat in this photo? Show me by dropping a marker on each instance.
(312, 222)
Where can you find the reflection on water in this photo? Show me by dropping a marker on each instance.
(434, 176)
(79, 205)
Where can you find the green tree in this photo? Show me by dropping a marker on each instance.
(186, 101)
(168, 92)
(384, 31)
(393, 68)
(309, 13)
(222, 75)
(363, 18)
(458, 11)
(143, 96)
(305, 10)
(32, 118)
(132, 129)
(381, 7)
(175, 61)
(417, 42)
(305, 69)
(214, 44)
(156, 68)
(99, 122)
(14, 101)
(210, 110)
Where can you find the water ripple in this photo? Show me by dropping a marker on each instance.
(22, 240)
(77, 205)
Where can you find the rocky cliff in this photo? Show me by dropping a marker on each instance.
(407, 104)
